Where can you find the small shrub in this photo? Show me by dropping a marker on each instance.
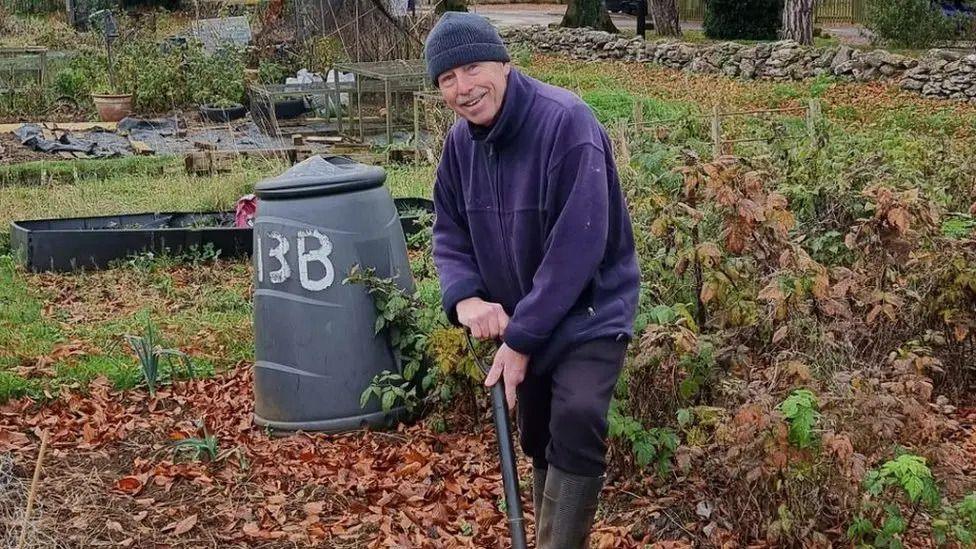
(654, 446)
(153, 77)
(958, 522)
(908, 23)
(743, 19)
(906, 479)
(270, 72)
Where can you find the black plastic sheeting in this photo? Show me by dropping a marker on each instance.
(161, 135)
(98, 144)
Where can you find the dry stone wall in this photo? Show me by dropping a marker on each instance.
(940, 73)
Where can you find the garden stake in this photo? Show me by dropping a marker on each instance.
(506, 454)
(33, 491)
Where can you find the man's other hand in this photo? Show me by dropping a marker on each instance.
(511, 366)
(485, 320)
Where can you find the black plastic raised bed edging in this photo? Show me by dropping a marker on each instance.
(411, 209)
(283, 109)
(229, 113)
(94, 242)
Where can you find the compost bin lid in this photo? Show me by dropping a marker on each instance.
(318, 176)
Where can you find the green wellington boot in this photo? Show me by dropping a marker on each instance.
(569, 505)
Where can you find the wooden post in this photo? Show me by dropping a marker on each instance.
(813, 117)
(716, 132)
(623, 150)
(639, 116)
(389, 112)
(338, 98)
(359, 106)
(416, 127)
(43, 81)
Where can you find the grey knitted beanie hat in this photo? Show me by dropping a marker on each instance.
(460, 38)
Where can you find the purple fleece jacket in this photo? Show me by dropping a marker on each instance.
(529, 214)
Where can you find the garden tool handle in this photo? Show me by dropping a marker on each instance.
(506, 454)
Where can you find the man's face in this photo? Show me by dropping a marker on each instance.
(475, 91)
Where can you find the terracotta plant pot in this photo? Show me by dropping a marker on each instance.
(112, 107)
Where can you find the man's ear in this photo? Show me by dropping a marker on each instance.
(506, 68)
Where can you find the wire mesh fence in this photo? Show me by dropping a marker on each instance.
(31, 7)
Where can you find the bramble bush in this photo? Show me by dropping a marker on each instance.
(803, 311)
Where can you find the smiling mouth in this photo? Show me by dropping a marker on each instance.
(474, 101)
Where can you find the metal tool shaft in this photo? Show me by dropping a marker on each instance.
(506, 455)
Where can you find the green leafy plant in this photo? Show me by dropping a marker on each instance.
(655, 446)
(881, 523)
(698, 369)
(270, 72)
(216, 79)
(909, 472)
(198, 447)
(152, 356)
(397, 316)
(957, 522)
(800, 411)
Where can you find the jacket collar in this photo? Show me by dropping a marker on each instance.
(516, 105)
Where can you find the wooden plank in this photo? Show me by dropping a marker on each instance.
(323, 139)
(141, 148)
(69, 126)
(213, 161)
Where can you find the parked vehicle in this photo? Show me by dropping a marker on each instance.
(630, 7)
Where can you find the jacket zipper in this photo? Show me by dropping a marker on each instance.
(493, 171)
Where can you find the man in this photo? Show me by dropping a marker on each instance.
(533, 246)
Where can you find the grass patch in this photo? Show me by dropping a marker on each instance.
(123, 192)
(121, 371)
(411, 180)
(23, 329)
(611, 106)
(14, 386)
(46, 172)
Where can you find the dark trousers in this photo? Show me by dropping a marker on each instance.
(562, 407)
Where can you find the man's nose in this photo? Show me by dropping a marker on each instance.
(465, 84)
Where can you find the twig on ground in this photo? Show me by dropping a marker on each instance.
(33, 491)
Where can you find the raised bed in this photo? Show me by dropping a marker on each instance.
(94, 242)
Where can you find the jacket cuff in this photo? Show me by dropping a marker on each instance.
(522, 341)
(457, 292)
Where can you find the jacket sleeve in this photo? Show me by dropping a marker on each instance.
(454, 256)
(574, 246)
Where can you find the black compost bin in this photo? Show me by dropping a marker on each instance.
(315, 346)
(94, 242)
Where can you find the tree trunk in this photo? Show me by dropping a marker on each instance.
(664, 13)
(798, 21)
(588, 13)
